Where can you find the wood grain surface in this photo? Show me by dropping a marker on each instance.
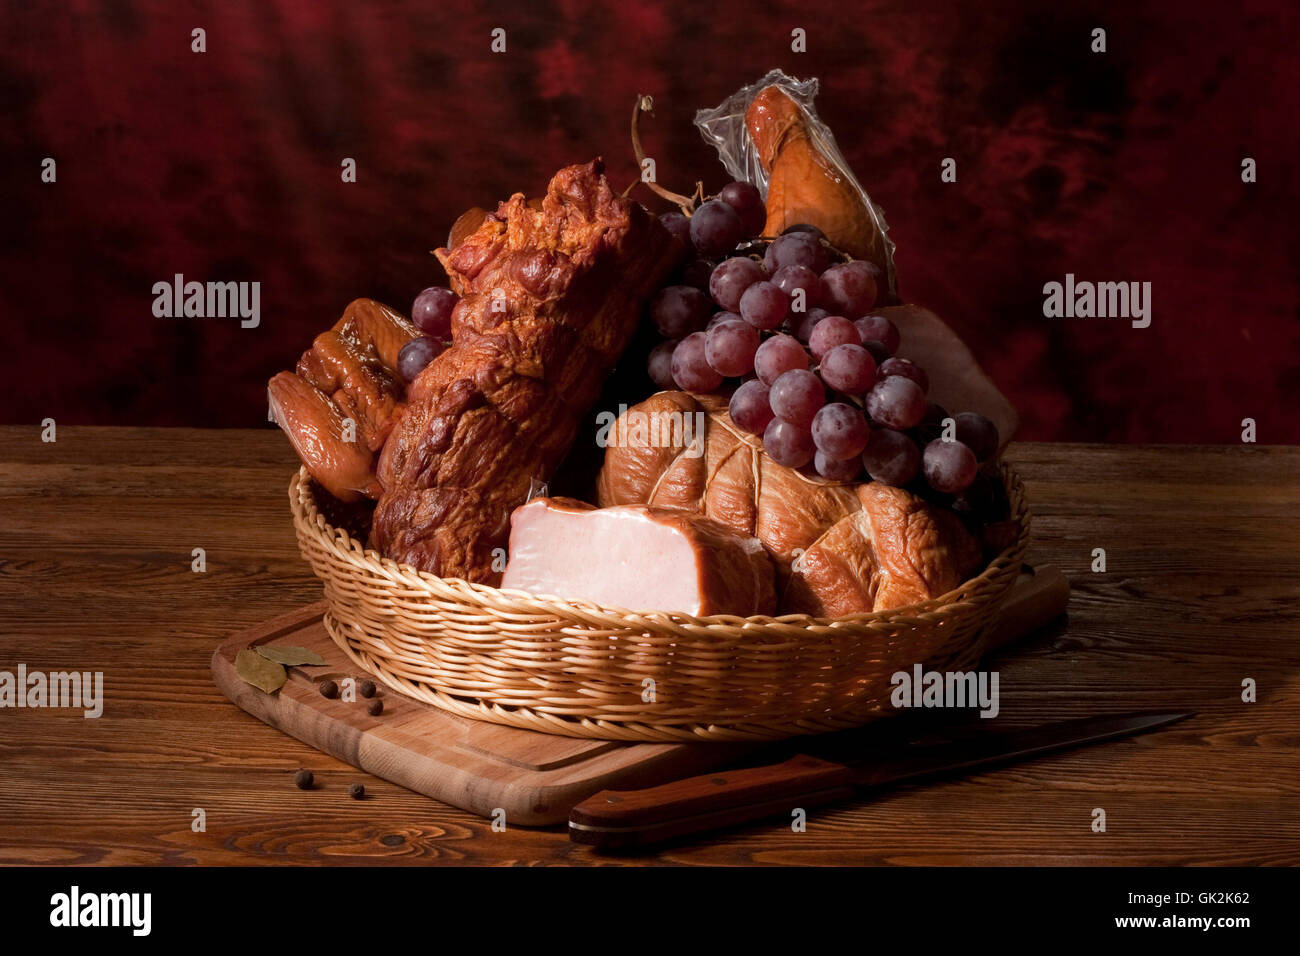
(96, 538)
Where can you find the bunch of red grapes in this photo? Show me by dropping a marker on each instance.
(818, 377)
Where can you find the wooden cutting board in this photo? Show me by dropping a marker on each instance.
(534, 778)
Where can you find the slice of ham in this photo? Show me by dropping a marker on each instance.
(639, 558)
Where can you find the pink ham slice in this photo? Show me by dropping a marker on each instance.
(639, 558)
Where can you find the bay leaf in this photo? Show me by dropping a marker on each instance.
(289, 656)
(255, 669)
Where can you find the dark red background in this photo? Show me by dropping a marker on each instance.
(225, 166)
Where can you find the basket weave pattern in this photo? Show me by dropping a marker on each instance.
(577, 669)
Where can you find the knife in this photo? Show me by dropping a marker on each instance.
(629, 819)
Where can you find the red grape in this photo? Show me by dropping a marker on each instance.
(840, 431)
(796, 396)
(660, 364)
(716, 228)
(697, 274)
(788, 444)
(415, 355)
(789, 278)
(906, 368)
(730, 348)
(978, 434)
(837, 470)
(719, 317)
(749, 407)
(679, 310)
(796, 249)
(849, 368)
(878, 352)
(829, 332)
(931, 426)
(934, 414)
(778, 355)
(677, 224)
(882, 287)
(877, 328)
(949, 466)
(731, 278)
(803, 329)
(891, 457)
(849, 288)
(764, 306)
(896, 402)
(691, 369)
(431, 311)
(748, 203)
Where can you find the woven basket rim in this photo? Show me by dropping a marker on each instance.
(304, 507)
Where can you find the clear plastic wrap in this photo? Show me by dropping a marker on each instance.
(724, 128)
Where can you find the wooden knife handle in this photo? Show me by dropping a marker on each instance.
(624, 819)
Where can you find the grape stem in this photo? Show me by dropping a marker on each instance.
(687, 204)
(844, 256)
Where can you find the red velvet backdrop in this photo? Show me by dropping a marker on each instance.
(225, 165)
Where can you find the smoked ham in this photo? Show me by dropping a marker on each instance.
(806, 186)
(340, 403)
(838, 549)
(642, 559)
(550, 299)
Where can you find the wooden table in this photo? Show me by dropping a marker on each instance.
(97, 532)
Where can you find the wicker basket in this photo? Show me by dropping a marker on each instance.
(573, 668)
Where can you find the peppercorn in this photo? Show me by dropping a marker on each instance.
(376, 708)
(356, 791)
(366, 688)
(329, 689)
(303, 779)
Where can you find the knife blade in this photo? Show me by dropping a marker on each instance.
(631, 819)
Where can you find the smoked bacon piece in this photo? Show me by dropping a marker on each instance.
(551, 297)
